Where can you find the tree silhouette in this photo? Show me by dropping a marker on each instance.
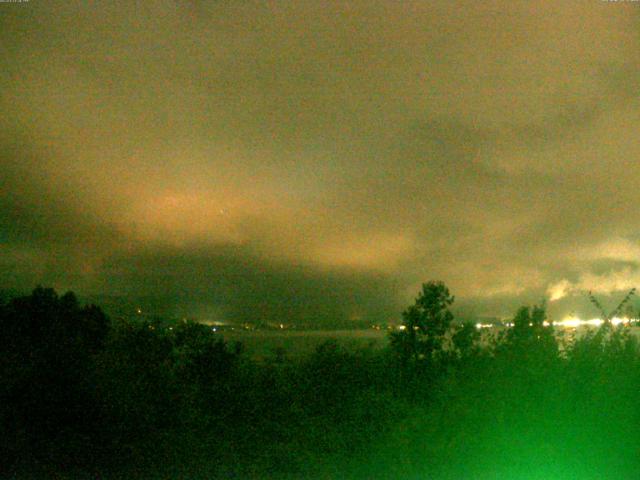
(424, 325)
(530, 338)
(607, 317)
(46, 372)
(465, 339)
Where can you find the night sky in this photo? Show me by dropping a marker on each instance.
(314, 160)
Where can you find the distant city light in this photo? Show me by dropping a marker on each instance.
(574, 322)
(569, 322)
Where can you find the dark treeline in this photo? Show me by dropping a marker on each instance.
(85, 397)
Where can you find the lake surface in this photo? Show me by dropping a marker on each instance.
(265, 344)
(262, 344)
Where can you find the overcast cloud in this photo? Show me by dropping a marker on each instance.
(320, 159)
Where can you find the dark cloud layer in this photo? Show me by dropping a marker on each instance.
(314, 160)
(231, 283)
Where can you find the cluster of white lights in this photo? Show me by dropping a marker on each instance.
(574, 322)
(570, 322)
(484, 325)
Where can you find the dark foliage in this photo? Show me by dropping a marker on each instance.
(47, 379)
(85, 398)
(426, 324)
